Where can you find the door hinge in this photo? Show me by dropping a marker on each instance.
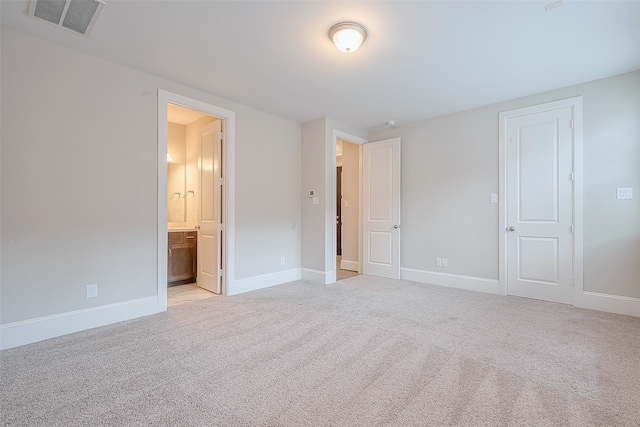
(571, 124)
(572, 282)
(573, 176)
(221, 135)
(219, 227)
(219, 181)
(572, 229)
(220, 272)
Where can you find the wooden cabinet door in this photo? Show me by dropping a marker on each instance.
(181, 265)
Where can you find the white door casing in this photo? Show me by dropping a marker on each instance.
(381, 208)
(228, 196)
(209, 212)
(539, 223)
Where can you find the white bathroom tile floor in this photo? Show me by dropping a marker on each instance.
(343, 274)
(182, 294)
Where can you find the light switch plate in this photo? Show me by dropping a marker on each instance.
(494, 198)
(624, 193)
(316, 200)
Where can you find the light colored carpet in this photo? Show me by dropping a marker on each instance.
(361, 352)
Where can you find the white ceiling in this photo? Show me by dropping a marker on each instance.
(420, 60)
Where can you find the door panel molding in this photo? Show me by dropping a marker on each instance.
(381, 208)
(575, 105)
(209, 207)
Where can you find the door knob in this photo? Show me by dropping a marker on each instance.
(396, 226)
(197, 227)
(512, 228)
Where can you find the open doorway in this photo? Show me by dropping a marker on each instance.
(195, 198)
(347, 209)
(194, 204)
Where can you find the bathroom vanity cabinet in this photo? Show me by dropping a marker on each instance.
(183, 256)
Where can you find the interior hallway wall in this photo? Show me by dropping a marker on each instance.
(318, 173)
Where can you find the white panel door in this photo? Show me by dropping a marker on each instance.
(540, 205)
(381, 208)
(209, 212)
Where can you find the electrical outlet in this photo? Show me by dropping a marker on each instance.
(92, 291)
(438, 262)
(445, 262)
(281, 260)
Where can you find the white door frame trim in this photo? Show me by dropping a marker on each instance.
(331, 173)
(228, 178)
(575, 104)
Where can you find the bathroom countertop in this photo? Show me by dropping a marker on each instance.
(180, 229)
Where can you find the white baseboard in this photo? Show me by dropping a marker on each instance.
(329, 277)
(42, 328)
(315, 276)
(451, 280)
(263, 281)
(611, 303)
(349, 265)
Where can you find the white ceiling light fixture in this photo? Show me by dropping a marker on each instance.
(76, 15)
(348, 36)
(169, 158)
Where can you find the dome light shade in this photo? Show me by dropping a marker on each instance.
(348, 36)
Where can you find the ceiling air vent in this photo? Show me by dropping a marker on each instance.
(76, 15)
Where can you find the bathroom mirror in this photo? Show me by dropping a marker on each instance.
(176, 173)
(176, 203)
(183, 150)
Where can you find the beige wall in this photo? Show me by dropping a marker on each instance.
(176, 142)
(450, 168)
(313, 178)
(350, 195)
(86, 207)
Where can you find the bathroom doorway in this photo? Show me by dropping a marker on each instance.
(194, 204)
(195, 143)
